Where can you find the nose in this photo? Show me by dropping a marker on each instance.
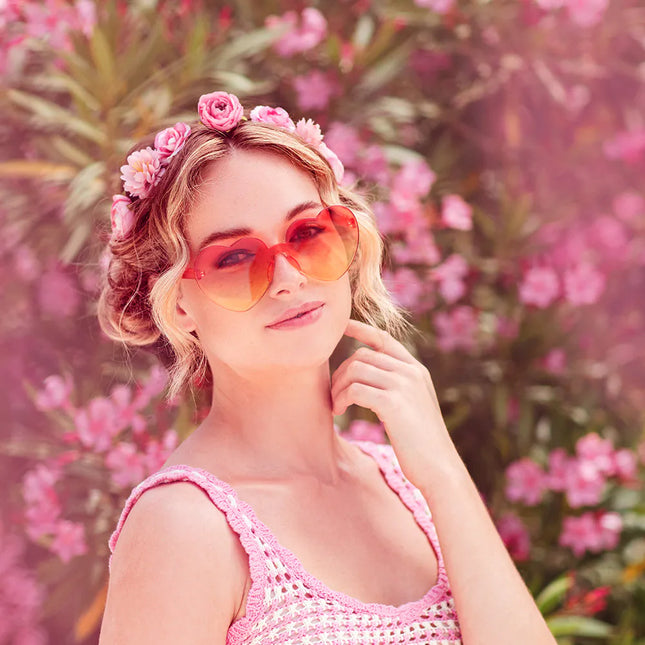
(285, 275)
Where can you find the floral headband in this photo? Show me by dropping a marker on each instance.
(218, 111)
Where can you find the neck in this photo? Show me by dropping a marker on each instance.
(278, 427)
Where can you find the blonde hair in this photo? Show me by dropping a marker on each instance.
(138, 301)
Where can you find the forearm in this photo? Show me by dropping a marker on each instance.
(493, 603)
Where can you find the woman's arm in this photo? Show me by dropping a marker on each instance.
(177, 573)
(493, 604)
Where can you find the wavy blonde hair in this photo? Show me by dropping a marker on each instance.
(138, 300)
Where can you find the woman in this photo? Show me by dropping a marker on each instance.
(276, 528)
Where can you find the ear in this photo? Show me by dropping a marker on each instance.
(182, 312)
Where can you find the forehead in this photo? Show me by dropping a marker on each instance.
(248, 189)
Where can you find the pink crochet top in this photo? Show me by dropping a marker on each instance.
(286, 605)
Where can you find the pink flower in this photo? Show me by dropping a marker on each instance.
(361, 430)
(419, 246)
(404, 286)
(456, 213)
(333, 160)
(121, 216)
(69, 540)
(55, 393)
(126, 464)
(629, 206)
(456, 329)
(299, 38)
(220, 110)
(584, 483)
(559, 462)
(274, 115)
(583, 284)
(438, 6)
(413, 180)
(540, 287)
(314, 90)
(373, 164)
(98, 424)
(600, 452)
(586, 13)
(450, 276)
(142, 172)
(309, 132)
(591, 531)
(515, 536)
(170, 141)
(38, 484)
(526, 482)
(41, 518)
(625, 465)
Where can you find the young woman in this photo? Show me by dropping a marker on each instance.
(236, 252)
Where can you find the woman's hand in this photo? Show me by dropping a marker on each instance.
(388, 380)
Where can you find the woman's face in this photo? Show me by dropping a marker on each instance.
(256, 190)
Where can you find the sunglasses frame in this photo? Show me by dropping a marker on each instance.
(283, 247)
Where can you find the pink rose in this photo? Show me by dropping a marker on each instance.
(121, 216)
(310, 132)
(333, 160)
(170, 141)
(275, 116)
(220, 110)
(142, 172)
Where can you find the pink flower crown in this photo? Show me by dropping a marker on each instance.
(219, 111)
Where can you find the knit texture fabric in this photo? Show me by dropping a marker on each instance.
(288, 606)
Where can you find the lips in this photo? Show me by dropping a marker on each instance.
(294, 311)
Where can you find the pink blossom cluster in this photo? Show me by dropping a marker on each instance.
(49, 21)
(582, 284)
(583, 13)
(303, 32)
(21, 596)
(582, 477)
(315, 89)
(593, 531)
(97, 427)
(438, 6)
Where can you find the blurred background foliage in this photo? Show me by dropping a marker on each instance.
(524, 117)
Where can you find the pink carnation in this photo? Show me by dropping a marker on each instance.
(584, 483)
(310, 132)
(142, 172)
(274, 115)
(121, 216)
(333, 160)
(456, 213)
(220, 110)
(170, 141)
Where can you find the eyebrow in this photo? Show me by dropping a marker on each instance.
(240, 232)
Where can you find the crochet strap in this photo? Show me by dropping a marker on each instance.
(412, 497)
(237, 515)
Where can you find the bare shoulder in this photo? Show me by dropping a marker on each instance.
(178, 571)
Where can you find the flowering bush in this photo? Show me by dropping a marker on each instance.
(503, 148)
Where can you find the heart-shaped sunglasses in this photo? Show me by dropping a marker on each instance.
(237, 276)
